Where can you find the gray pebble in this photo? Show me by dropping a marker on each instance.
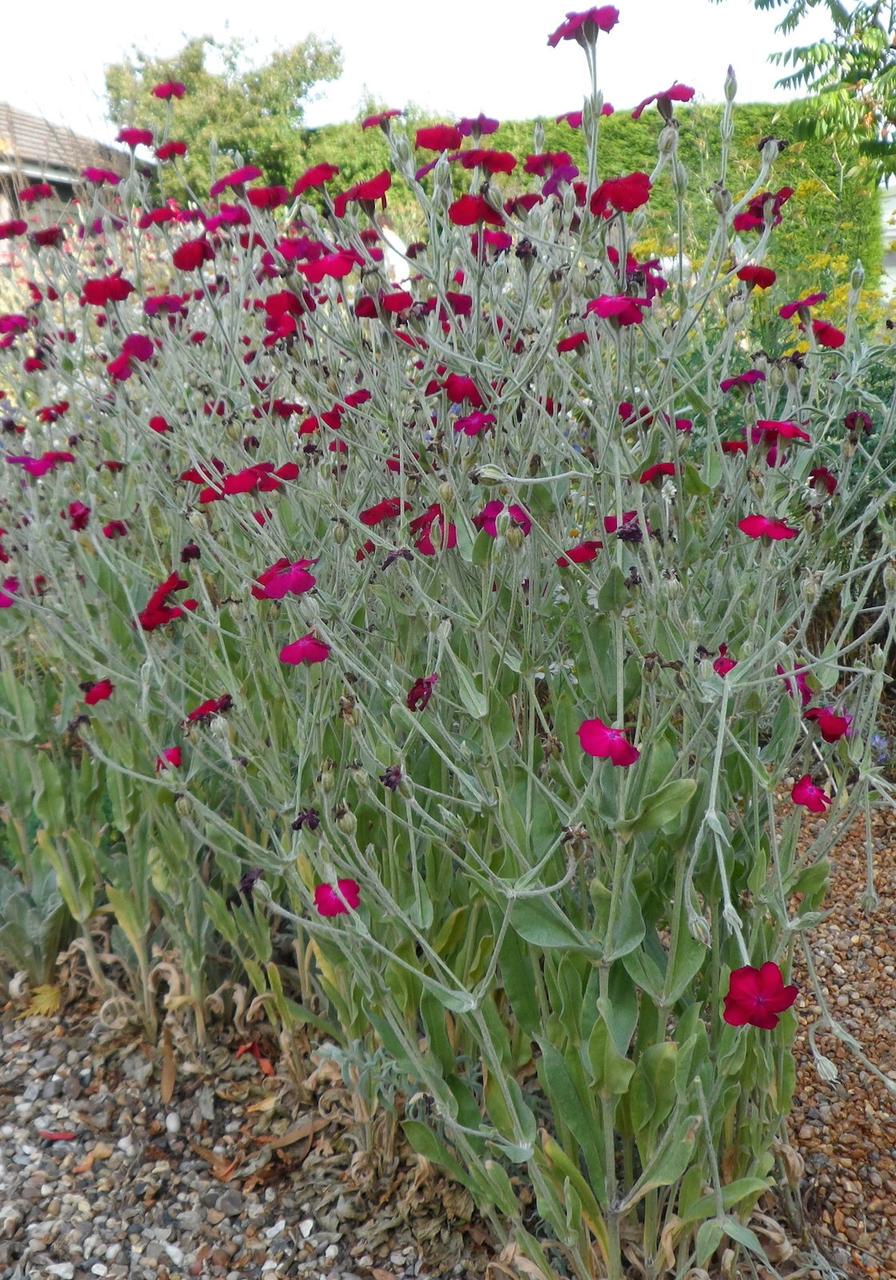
(230, 1202)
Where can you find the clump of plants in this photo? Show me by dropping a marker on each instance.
(435, 655)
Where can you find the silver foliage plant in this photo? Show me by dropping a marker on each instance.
(458, 661)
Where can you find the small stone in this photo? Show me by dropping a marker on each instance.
(230, 1202)
(172, 1123)
(64, 1270)
(270, 1232)
(331, 1253)
(306, 1226)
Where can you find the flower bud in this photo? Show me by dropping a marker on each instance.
(890, 577)
(221, 729)
(668, 140)
(515, 537)
(197, 519)
(446, 493)
(810, 589)
(792, 374)
(730, 85)
(857, 279)
(326, 778)
(487, 474)
(346, 820)
(775, 376)
(340, 532)
(878, 661)
(182, 805)
(736, 310)
(406, 787)
(721, 199)
(672, 583)
(679, 178)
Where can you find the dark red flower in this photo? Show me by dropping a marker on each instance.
(756, 526)
(171, 150)
(857, 420)
(757, 997)
(236, 178)
(382, 118)
(388, 509)
(469, 211)
(171, 758)
(98, 692)
(748, 379)
(760, 277)
(827, 335)
(583, 553)
(438, 137)
(364, 193)
(420, 692)
(192, 254)
(115, 529)
(768, 204)
(478, 127)
(135, 137)
(99, 293)
(723, 663)
(157, 611)
(78, 515)
(211, 707)
(831, 725)
(822, 477)
(625, 195)
(316, 176)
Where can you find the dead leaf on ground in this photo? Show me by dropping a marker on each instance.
(100, 1152)
(263, 1105)
(221, 1169)
(169, 1068)
(295, 1135)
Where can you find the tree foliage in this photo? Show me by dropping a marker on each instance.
(255, 111)
(853, 72)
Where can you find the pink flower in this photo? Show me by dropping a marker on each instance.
(584, 27)
(823, 478)
(756, 526)
(171, 150)
(831, 725)
(798, 681)
(100, 176)
(809, 796)
(604, 743)
(664, 99)
(171, 758)
(115, 529)
(657, 471)
(469, 210)
(338, 899)
(748, 379)
(420, 692)
(168, 90)
(135, 137)
(365, 193)
(285, 578)
(769, 431)
(115, 288)
(801, 305)
(621, 309)
(474, 423)
(382, 119)
(757, 997)
(307, 649)
(478, 127)
(767, 203)
(192, 253)
(491, 161)
(98, 692)
(8, 588)
(78, 515)
(487, 518)
(236, 178)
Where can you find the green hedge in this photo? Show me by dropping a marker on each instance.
(832, 220)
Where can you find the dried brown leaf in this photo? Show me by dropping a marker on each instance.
(305, 1130)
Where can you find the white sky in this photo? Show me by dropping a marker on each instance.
(455, 58)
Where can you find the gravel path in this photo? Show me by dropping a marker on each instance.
(242, 1176)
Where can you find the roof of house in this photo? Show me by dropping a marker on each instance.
(33, 144)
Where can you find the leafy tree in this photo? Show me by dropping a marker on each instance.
(853, 72)
(255, 112)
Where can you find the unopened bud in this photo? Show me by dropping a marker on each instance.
(197, 519)
(730, 85)
(182, 805)
(326, 778)
(487, 474)
(736, 310)
(890, 577)
(538, 137)
(721, 198)
(346, 821)
(810, 589)
(668, 140)
(672, 583)
(792, 374)
(446, 493)
(857, 279)
(220, 728)
(775, 376)
(340, 532)
(679, 178)
(515, 537)
(878, 659)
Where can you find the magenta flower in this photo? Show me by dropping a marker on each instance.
(619, 308)
(474, 423)
(338, 899)
(806, 793)
(756, 526)
(168, 90)
(602, 742)
(767, 203)
(857, 420)
(115, 529)
(316, 176)
(664, 99)
(171, 150)
(171, 758)
(285, 578)
(723, 663)
(487, 518)
(40, 466)
(364, 193)
(78, 516)
(799, 681)
(831, 725)
(584, 27)
(420, 692)
(236, 178)
(801, 305)
(770, 431)
(748, 379)
(8, 589)
(307, 649)
(381, 119)
(583, 553)
(823, 478)
(757, 997)
(192, 253)
(657, 472)
(135, 137)
(478, 127)
(439, 137)
(99, 177)
(827, 335)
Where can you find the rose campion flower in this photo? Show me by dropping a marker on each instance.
(171, 758)
(584, 553)
(169, 89)
(171, 150)
(420, 692)
(487, 518)
(338, 899)
(135, 137)
(236, 178)
(364, 193)
(625, 195)
(664, 99)
(584, 27)
(474, 423)
(8, 589)
(307, 649)
(382, 119)
(316, 176)
(621, 309)
(723, 663)
(757, 997)
(605, 743)
(827, 335)
(748, 379)
(758, 277)
(469, 211)
(439, 137)
(98, 692)
(285, 578)
(832, 726)
(811, 797)
(757, 526)
(192, 254)
(211, 707)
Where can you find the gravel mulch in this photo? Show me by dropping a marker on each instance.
(242, 1174)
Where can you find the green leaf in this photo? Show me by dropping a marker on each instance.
(733, 1194)
(475, 702)
(709, 1237)
(572, 1107)
(540, 921)
(614, 594)
(427, 1144)
(661, 808)
(482, 549)
(611, 1071)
